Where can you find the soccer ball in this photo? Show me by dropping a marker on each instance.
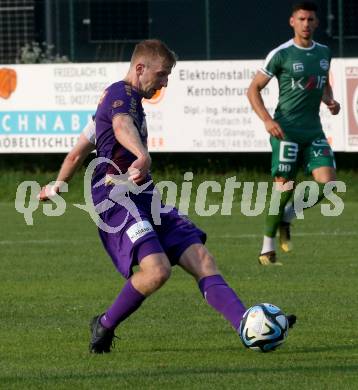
(263, 328)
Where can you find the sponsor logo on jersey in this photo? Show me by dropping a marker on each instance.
(138, 230)
(324, 64)
(311, 82)
(322, 152)
(320, 142)
(297, 83)
(117, 103)
(298, 67)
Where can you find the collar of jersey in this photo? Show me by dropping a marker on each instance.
(133, 88)
(304, 48)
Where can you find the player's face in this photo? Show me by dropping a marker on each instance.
(304, 23)
(154, 76)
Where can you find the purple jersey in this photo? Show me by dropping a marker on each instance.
(118, 99)
(131, 214)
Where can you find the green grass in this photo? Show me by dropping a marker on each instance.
(55, 276)
(10, 179)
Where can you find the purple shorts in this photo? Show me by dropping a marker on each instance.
(140, 236)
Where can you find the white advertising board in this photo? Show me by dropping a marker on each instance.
(350, 71)
(204, 109)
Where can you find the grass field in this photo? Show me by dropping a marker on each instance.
(55, 276)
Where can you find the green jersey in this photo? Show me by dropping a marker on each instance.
(302, 74)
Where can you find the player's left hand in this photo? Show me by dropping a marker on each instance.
(47, 192)
(333, 106)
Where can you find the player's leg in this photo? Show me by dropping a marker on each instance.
(130, 246)
(319, 161)
(154, 271)
(197, 261)
(183, 242)
(283, 169)
(281, 194)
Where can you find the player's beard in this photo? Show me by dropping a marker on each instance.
(150, 93)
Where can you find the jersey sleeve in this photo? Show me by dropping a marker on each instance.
(272, 65)
(89, 131)
(120, 101)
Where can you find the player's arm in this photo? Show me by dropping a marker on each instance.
(127, 135)
(74, 159)
(254, 95)
(327, 98)
(70, 164)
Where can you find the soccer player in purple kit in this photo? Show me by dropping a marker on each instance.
(121, 137)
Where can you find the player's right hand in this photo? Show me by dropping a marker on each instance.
(333, 106)
(273, 128)
(47, 192)
(139, 169)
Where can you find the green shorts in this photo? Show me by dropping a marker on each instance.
(299, 148)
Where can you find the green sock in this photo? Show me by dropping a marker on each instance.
(272, 221)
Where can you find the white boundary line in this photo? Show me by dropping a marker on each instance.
(306, 234)
(55, 241)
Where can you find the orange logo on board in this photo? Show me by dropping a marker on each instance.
(8, 81)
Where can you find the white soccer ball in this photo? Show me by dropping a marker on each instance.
(263, 328)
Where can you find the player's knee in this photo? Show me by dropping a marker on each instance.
(160, 274)
(324, 175)
(325, 178)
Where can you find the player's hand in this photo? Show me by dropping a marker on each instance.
(47, 192)
(273, 128)
(333, 106)
(139, 169)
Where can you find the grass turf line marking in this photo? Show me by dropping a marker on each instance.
(54, 241)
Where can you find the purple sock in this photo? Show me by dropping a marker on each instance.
(222, 298)
(127, 302)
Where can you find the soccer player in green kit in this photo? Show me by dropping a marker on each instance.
(301, 66)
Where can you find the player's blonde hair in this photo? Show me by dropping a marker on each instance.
(154, 48)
